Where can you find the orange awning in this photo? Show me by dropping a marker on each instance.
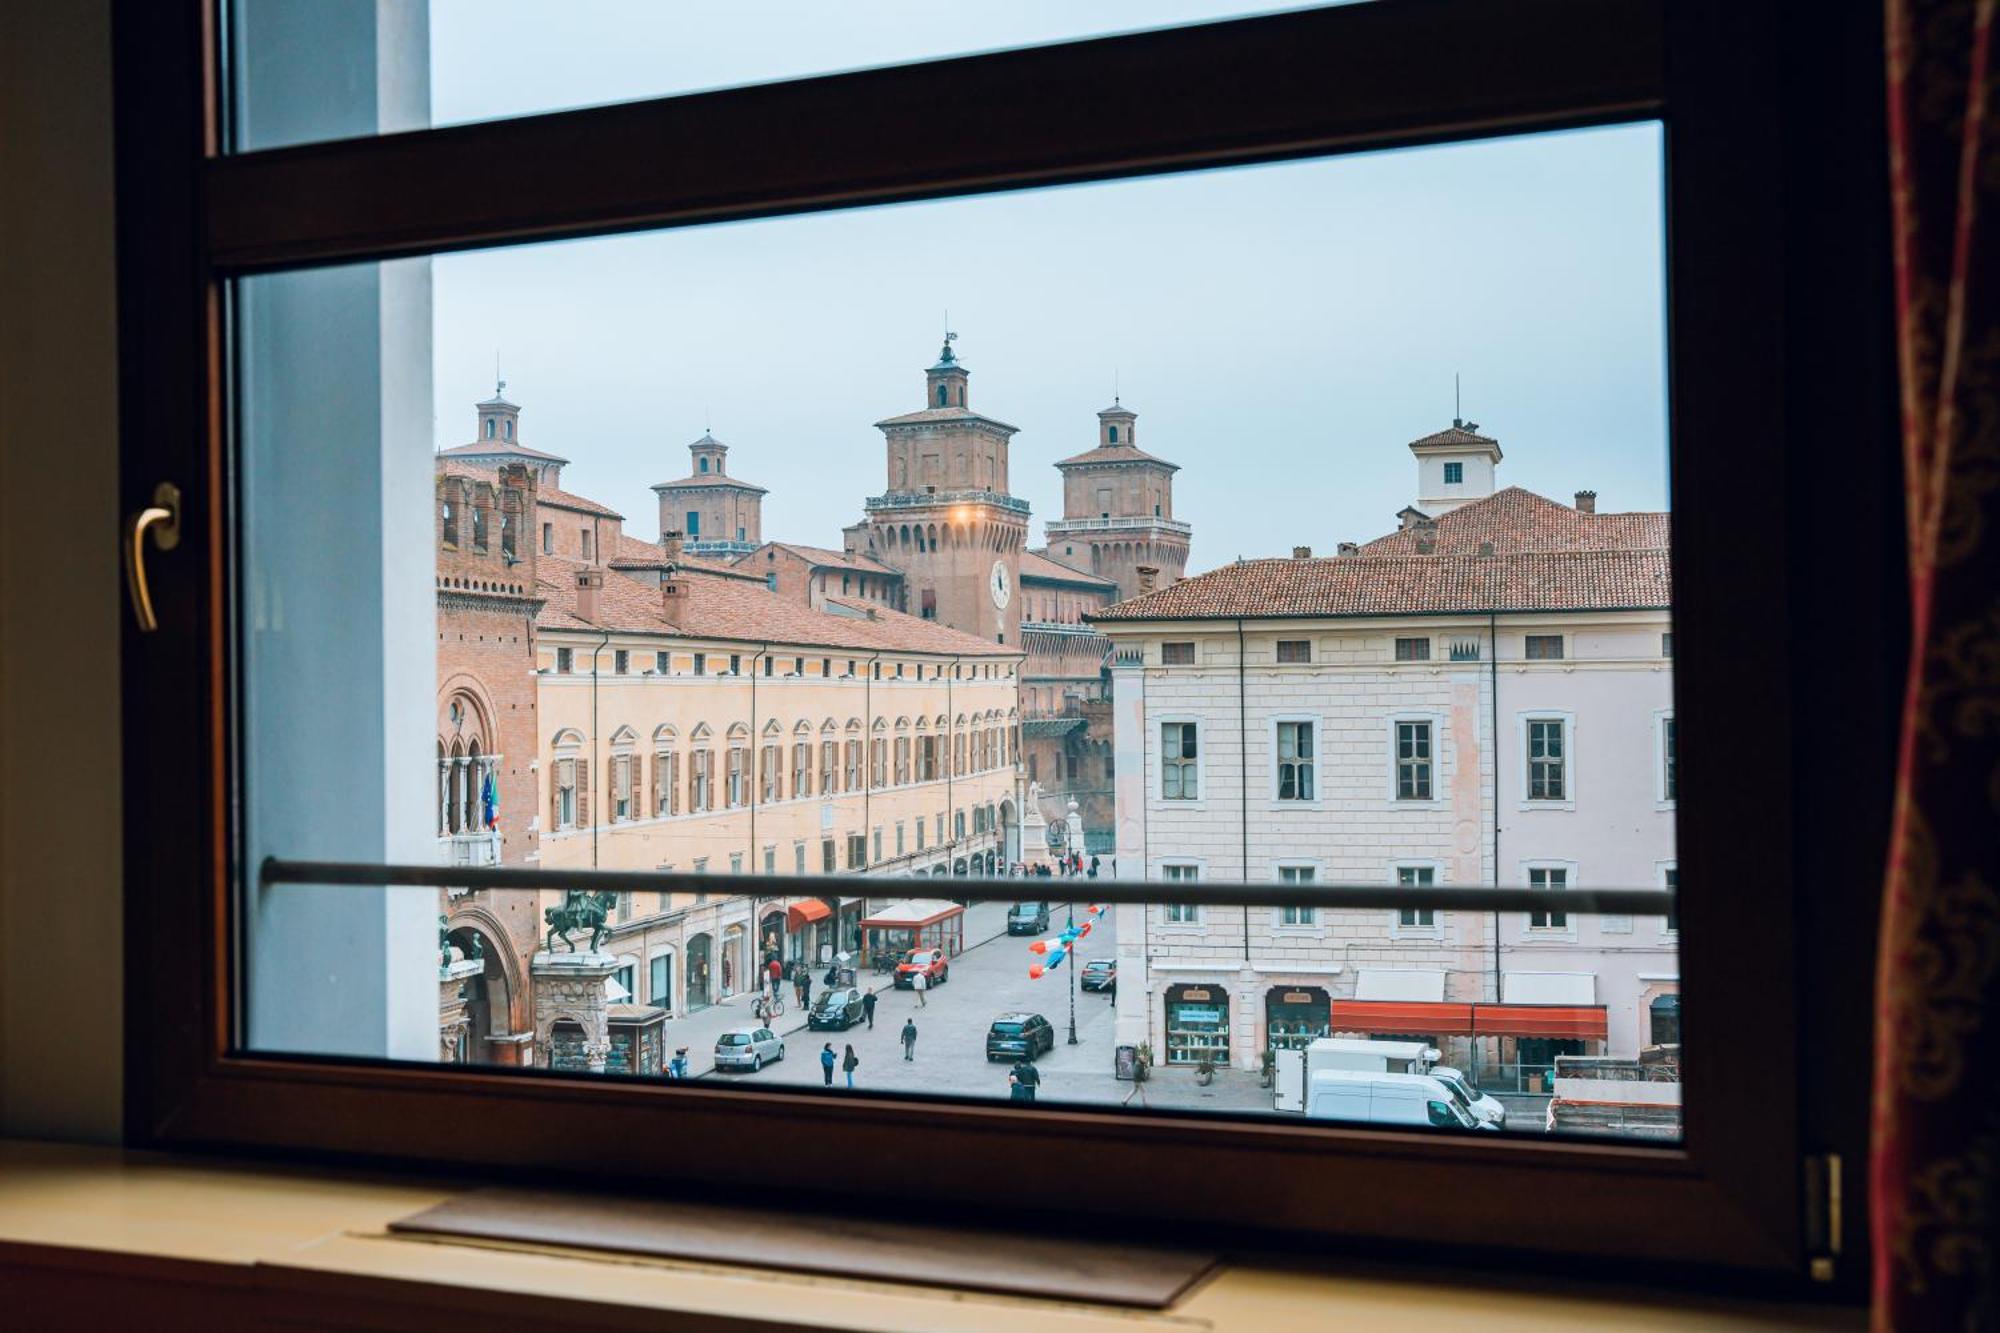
(1416, 1018)
(1584, 1022)
(812, 909)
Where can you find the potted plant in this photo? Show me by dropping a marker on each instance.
(1204, 1072)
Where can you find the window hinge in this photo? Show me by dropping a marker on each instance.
(1822, 1214)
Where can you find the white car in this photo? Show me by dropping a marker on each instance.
(1485, 1107)
(748, 1048)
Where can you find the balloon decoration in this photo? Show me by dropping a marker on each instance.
(1052, 952)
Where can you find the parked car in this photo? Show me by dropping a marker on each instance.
(1027, 918)
(1387, 1099)
(1098, 974)
(1485, 1107)
(839, 1009)
(748, 1048)
(1016, 1035)
(930, 962)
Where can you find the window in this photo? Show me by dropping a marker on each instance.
(736, 863)
(1295, 650)
(1179, 780)
(801, 768)
(1667, 644)
(693, 527)
(662, 662)
(660, 982)
(1548, 877)
(624, 983)
(1669, 770)
(1177, 654)
(621, 787)
(1670, 879)
(666, 783)
(621, 662)
(1416, 918)
(1413, 650)
(1295, 761)
(701, 795)
(701, 664)
(798, 858)
(736, 793)
(736, 664)
(586, 543)
(1180, 914)
(1413, 761)
(565, 812)
(1547, 771)
(1454, 474)
(827, 863)
(920, 833)
(548, 539)
(1297, 916)
(1545, 647)
(565, 661)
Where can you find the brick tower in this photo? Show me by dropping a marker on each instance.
(947, 520)
(716, 514)
(1118, 508)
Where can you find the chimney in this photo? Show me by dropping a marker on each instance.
(1586, 502)
(1347, 548)
(1408, 517)
(589, 582)
(1302, 553)
(1148, 577)
(1427, 536)
(674, 598)
(670, 542)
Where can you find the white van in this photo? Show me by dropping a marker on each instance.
(1406, 1100)
(1485, 1107)
(1368, 1056)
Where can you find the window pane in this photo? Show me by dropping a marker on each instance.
(410, 697)
(335, 71)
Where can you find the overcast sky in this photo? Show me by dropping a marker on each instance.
(1282, 331)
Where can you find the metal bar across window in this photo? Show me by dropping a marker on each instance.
(1214, 893)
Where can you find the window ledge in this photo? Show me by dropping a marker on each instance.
(242, 1244)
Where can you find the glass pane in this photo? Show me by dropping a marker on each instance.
(703, 580)
(305, 72)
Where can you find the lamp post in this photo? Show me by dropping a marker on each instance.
(1073, 965)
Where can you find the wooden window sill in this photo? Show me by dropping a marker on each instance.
(89, 1235)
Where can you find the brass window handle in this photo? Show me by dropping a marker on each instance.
(163, 519)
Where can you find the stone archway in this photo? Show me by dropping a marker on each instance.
(699, 975)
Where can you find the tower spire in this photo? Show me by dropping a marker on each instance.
(1457, 413)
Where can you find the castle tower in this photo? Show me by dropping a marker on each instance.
(946, 519)
(1118, 508)
(716, 514)
(1454, 467)
(496, 442)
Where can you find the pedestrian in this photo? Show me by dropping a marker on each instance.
(805, 989)
(1023, 1079)
(1111, 989)
(849, 1063)
(677, 1068)
(1093, 867)
(777, 971)
(920, 983)
(909, 1039)
(826, 1063)
(868, 1007)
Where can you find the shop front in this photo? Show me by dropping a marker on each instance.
(1197, 1025)
(1294, 1015)
(1527, 1037)
(809, 934)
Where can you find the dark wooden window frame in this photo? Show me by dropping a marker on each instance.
(1762, 111)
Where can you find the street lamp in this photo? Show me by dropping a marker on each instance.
(1073, 965)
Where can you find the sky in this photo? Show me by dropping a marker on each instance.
(1282, 331)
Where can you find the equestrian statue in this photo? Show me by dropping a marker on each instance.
(580, 910)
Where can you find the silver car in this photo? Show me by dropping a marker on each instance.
(748, 1048)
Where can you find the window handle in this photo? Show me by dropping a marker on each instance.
(163, 519)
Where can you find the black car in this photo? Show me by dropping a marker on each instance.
(1098, 974)
(838, 1009)
(1015, 1035)
(1027, 918)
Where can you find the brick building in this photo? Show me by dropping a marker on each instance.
(716, 514)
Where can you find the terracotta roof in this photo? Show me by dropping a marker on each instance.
(1115, 453)
(1546, 557)
(1041, 565)
(723, 605)
(943, 415)
(1517, 520)
(550, 497)
(824, 557)
(633, 553)
(1455, 436)
(710, 480)
(499, 449)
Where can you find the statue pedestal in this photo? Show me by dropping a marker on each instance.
(452, 1019)
(571, 1031)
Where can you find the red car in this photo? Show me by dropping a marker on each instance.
(930, 962)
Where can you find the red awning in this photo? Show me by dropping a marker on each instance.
(1416, 1018)
(1584, 1022)
(812, 909)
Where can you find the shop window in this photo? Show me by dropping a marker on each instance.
(1664, 1015)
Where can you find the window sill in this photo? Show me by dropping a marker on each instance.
(88, 1230)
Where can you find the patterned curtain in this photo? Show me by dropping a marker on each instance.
(1936, 1157)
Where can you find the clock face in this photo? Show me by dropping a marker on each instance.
(1000, 585)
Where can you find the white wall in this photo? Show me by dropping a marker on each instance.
(61, 918)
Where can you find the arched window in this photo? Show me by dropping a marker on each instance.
(507, 430)
(1114, 434)
(704, 465)
(941, 395)
(489, 427)
(961, 395)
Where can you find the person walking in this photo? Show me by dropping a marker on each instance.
(1023, 1079)
(826, 1063)
(909, 1039)
(868, 1007)
(921, 983)
(1093, 867)
(1111, 989)
(849, 1063)
(805, 988)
